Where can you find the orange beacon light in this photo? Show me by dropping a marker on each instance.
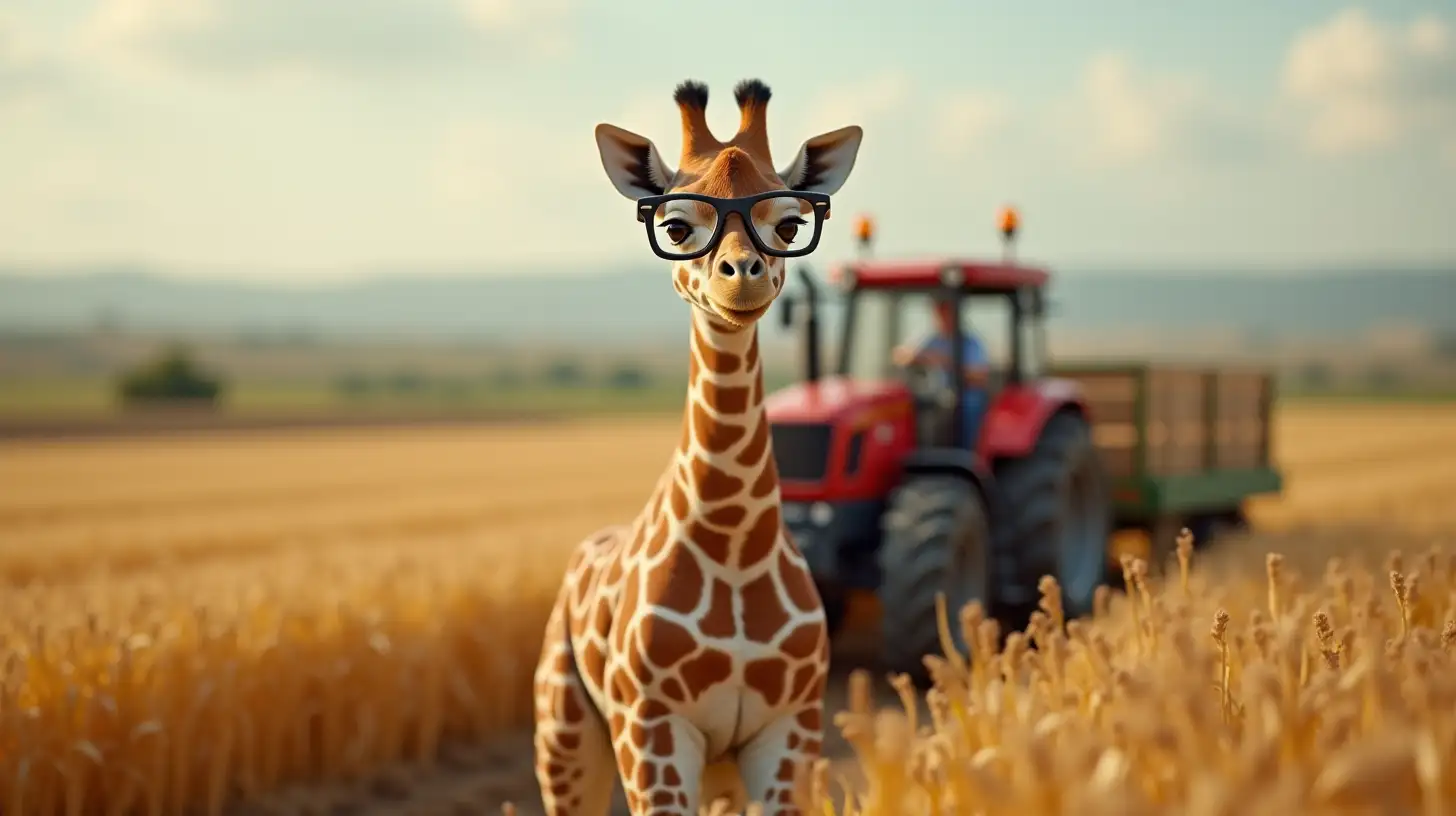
(864, 228)
(1009, 221)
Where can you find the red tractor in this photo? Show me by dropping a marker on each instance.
(885, 489)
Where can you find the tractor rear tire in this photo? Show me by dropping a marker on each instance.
(1058, 521)
(936, 540)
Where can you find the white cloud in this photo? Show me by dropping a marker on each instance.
(334, 37)
(857, 102)
(1364, 84)
(963, 121)
(537, 24)
(1121, 114)
(1128, 115)
(28, 70)
(496, 165)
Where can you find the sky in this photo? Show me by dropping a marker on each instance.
(324, 139)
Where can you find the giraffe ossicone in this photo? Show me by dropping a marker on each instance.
(693, 636)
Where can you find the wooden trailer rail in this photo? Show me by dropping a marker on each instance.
(1166, 431)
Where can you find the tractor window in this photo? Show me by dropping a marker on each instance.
(874, 335)
(988, 317)
(1033, 337)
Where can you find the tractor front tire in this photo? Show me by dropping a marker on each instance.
(936, 540)
(1059, 520)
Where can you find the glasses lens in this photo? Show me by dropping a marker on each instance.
(683, 226)
(785, 224)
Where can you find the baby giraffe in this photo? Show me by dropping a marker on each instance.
(693, 636)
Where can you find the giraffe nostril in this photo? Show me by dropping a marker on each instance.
(755, 268)
(726, 269)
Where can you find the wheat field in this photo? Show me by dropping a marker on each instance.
(198, 621)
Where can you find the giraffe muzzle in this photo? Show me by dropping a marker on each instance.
(740, 300)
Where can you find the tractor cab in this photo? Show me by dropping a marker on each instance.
(954, 333)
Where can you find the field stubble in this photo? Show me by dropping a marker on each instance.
(191, 619)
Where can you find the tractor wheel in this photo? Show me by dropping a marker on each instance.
(1058, 520)
(936, 540)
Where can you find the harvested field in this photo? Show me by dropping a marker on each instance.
(265, 608)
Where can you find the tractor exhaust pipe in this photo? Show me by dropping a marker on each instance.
(811, 327)
(790, 307)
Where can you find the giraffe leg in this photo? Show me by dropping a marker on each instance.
(573, 754)
(661, 762)
(770, 761)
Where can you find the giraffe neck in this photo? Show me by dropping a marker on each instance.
(726, 487)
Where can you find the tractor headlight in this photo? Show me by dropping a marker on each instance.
(821, 514)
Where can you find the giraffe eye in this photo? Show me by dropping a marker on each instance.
(788, 229)
(677, 231)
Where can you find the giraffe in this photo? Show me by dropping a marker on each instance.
(693, 637)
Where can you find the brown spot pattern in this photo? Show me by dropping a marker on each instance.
(803, 642)
(757, 445)
(705, 671)
(763, 615)
(666, 643)
(717, 361)
(809, 719)
(715, 545)
(679, 501)
(759, 542)
(767, 677)
(677, 584)
(713, 483)
(803, 681)
(718, 622)
(798, 585)
(767, 480)
(593, 662)
(715, 436)
(728, 515)
(731, 400)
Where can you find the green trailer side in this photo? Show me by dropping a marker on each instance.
(1183, 445)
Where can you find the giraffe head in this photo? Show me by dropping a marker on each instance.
(725, 217)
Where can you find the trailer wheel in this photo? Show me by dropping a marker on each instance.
(936, 540)
(1058, 519)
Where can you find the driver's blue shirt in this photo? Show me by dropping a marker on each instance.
(973, 398)
(974, 352)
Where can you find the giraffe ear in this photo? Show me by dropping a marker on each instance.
(633, 163)
(824, 162)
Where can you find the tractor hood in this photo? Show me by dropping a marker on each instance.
(832, 399)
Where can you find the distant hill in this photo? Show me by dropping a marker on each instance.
(638, 303)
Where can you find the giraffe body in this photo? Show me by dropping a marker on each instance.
(694, 635)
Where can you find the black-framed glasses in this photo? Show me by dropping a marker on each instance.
(782, 223)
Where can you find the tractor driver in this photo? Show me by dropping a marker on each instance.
(934, 353)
